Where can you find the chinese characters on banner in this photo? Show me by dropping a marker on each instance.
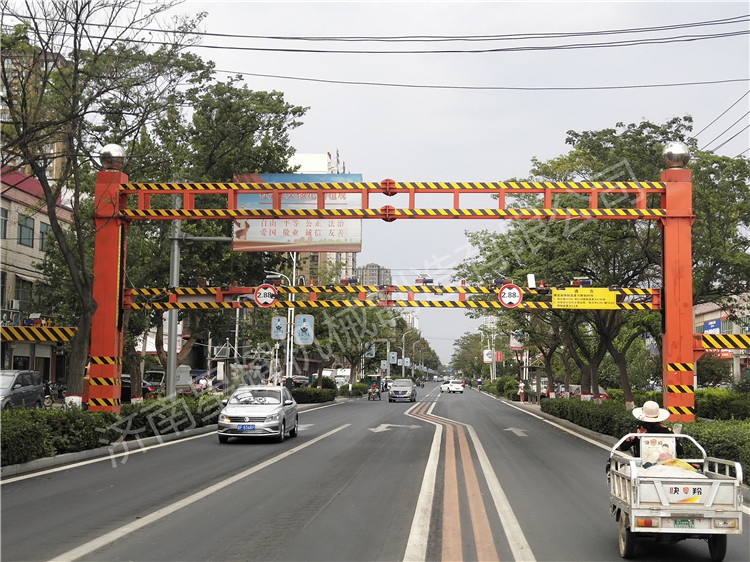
(314, 234)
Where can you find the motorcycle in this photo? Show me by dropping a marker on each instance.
(48, 400)
(56, 392)
(373, 394)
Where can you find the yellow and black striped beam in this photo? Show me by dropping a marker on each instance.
(389, 185)
(392, 214)
(356, 303)
(726, 341)
(37, 334)
(354, 289)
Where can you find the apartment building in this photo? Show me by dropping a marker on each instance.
(24, 239)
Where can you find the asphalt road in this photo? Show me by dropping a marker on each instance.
(450, 477)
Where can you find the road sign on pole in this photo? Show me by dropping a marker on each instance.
(278, 328)
(265, 295)
(510, 296)
(304, 329)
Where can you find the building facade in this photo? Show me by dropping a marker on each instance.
(24, 238)
(710, 318)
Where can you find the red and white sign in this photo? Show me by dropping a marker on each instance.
(510, 296)
(265, 295)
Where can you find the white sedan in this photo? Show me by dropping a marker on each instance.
(456, 386)
(444, 386)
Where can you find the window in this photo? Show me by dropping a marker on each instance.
(44, 232)
(26, 231)
(3, 224)
(23, 290)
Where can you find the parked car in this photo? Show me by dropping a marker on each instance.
(156, 378)
(127, 391)
(402, 390)
(456, 386)
(21, 389)
(255, 410)
(300, 381)
(444, 386)
(575, 392)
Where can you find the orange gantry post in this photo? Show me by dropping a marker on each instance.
(678, 355)
(105, 352)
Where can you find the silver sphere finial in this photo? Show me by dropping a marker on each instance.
(112, 157)
(676, 154)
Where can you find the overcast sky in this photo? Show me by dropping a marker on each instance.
(485, 115)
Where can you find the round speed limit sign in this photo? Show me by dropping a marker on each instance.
(510, 296)
(265, 295)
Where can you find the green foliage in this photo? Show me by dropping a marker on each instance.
(722, 439)
(622, 253)
(312, 395)
(31, 434)
(358, 389)
(725, 440)
(722, 404)
(506, 387)
(73, 429)
(713, 370)
(328, 382)
(24, 436)
(639, 396)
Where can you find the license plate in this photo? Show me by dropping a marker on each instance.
(246, 427)
(683, 523)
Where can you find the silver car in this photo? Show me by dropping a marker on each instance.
(402, 390)
(254, 411)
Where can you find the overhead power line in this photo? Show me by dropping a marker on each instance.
(466, 38)
(745, 128)
(724, 131)
(517, 49)
(723, 113)
(506, 88)
(436, 38)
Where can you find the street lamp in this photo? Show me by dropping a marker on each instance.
(289, 346)
(403, 352)
(412, 357)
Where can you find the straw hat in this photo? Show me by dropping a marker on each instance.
(650, 413)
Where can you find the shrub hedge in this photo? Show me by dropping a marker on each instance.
(725, 439)
(358, 389)
(312, 395)
(26, 435)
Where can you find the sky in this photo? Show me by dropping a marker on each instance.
(477, 116)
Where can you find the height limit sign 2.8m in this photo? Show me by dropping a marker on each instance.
(510, 296)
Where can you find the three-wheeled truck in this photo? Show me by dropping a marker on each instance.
(668, 499)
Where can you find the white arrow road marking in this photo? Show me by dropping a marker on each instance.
(387, 426)
(519, 432)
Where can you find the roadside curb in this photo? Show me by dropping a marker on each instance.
(106, 451)
(600, 437)
(45, 463)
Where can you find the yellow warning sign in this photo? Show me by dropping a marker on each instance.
(584, 297)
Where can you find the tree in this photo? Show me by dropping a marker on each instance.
(621, 253)
(75, 90)
(105, 87)
(468, 358)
